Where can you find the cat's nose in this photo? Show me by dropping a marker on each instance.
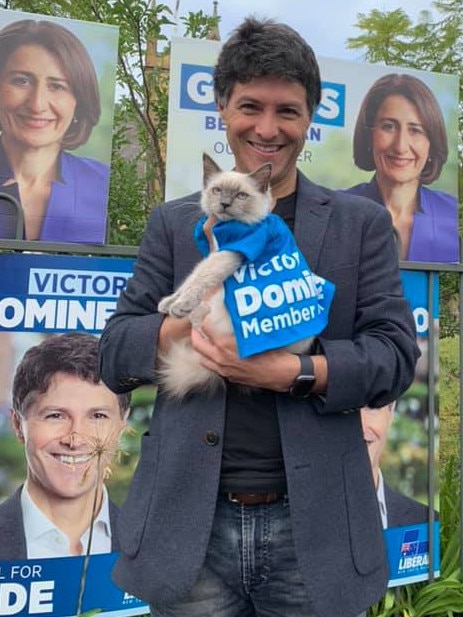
(225, 204)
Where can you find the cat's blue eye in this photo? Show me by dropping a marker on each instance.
(242, 195)
(216, 190)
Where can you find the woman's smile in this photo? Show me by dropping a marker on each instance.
(37, 104)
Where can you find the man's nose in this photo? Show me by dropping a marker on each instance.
(267, 126)
(73, 439)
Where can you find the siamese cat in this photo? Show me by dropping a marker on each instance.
(226, 196)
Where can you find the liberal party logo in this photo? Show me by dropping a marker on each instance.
(197, 93)
(414, 552)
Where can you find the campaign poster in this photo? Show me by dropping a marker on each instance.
(41, 298)
(412, 438)
(57, 87)
(376, 126)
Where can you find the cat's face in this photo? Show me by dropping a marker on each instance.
(231, 195)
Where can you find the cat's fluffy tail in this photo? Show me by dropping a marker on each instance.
(180, 371)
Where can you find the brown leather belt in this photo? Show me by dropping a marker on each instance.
(253, 499)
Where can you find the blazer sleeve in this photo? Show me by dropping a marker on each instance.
(128, 344)
(373, 363)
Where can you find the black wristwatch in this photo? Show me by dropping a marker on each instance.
(303, 384)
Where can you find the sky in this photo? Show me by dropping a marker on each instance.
(325, 24)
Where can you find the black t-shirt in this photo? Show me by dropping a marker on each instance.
(252, 460)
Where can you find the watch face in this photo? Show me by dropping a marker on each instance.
(302, 386)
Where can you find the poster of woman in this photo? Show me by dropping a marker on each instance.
(400, 136)
(56, 111)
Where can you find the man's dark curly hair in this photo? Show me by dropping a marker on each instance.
(73, 353)
(265, 48)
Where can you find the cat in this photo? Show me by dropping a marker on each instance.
(226, 196)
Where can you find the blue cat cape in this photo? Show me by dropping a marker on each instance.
(273, 298)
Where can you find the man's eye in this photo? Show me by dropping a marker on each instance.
(99, 415)
(248, 107)
(289, 112)
(54, 415)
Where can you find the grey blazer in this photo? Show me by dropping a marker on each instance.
(13, 545)
(402, 510)
(371, 353)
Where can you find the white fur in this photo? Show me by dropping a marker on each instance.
(180, 370)
(227, 195)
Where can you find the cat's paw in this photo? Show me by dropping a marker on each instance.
(165, 304)
(181, 307)
(198, 314)
(179, 304)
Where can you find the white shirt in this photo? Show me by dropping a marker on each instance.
(381, 500)
(44, 539)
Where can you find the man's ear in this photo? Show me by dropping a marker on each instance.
(221, 108)
(16, 423)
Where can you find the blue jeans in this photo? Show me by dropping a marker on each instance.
(250, 568)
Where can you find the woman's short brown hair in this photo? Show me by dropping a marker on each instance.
(76, 64)
(418, 93)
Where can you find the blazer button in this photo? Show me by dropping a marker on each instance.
(211, 438)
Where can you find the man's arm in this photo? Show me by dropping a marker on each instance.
(129, 342)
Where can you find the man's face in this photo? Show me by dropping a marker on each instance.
(70, 434)
(267, 121)
(375, 424)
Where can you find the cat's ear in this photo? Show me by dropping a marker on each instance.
(262, 176)
(210, 168)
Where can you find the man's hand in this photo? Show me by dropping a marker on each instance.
(275, 370)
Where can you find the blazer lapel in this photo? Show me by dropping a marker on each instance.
(313, 211)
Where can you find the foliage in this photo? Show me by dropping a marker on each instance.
(137, 182)
(199, 25)
(449, 409)
(385, 35)
(128, 195)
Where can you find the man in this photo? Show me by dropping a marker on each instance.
(70, 424)
(396, 509)
(263, 503)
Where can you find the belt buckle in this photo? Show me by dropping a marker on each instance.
(231, 497)
(252, 499)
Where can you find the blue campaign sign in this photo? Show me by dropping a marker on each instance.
(408, 553)
(54, 293)
(197, 94)
(53, 587)
(196, 88)
(416, 290)
(332, 108)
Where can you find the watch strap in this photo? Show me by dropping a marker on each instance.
(303, 384)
